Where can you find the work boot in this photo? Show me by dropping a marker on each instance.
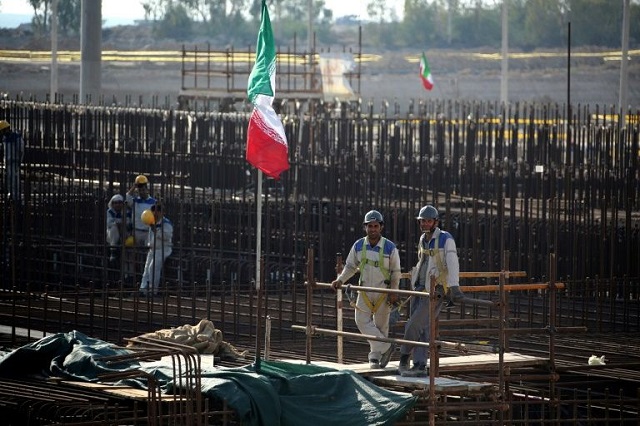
(404, 364)
(386, 357)
(374, 363)
(418, 370)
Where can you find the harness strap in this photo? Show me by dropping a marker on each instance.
(364, 260)
(443, 272)
(373, 307)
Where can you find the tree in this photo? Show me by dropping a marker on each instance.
(544, 23)
(479, 26)
(377, 10)
(68, 16)
(419, 24)
(595, 22)
(176, 22)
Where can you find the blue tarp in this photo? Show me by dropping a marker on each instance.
(264, 393)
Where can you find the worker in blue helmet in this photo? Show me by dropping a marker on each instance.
(437, 260)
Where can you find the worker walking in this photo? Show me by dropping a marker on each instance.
(378, 261)
(437, 260)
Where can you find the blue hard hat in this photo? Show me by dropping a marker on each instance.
(428, 212)
(373, 216)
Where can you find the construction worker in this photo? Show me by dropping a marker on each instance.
(118, 223)
(138, 200)
(13, 144)
(160, 235)
(437, 259)
(378, 261)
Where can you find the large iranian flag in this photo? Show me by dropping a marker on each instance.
(425, 73)
(267, 147)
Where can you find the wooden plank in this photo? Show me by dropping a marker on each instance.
(480, 362)
(119, 390)
(388, 377)
(445, 385)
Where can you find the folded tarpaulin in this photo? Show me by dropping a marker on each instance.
(282, 393)
(70, 355)
(264, 393)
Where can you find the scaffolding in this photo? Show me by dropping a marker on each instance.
(467, 386)
(218, 79)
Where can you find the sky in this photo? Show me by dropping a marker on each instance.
(119, 11)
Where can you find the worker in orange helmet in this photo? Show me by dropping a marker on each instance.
(139, 199)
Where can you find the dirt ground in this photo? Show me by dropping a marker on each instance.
(458, 75)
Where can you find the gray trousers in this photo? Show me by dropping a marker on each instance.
(417, 327)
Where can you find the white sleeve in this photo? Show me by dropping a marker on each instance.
(395, 268)
(452, 262)
(350, 266)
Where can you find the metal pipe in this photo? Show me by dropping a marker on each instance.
(311, 330)
(374, 289)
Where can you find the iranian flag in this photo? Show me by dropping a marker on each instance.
(425, 73)
(267, 147)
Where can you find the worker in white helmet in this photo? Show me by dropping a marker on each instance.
(378, 261)
(160, 235)
(437, 260)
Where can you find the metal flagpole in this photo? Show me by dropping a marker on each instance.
(258, 265)
(258, 227)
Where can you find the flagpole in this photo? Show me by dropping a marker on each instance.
(258, 227)
(267, 147)
(258, 265)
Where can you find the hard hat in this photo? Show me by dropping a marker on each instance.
(129, 241)
(141, 180)
(373, 216)
(148, 218)
(4, 124)
(428, 212)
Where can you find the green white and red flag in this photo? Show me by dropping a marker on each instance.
(425, 73)
(267, 147)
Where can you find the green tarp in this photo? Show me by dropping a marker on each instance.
(264, 393)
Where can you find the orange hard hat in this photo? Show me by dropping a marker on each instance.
(141, 180)
(148, 218)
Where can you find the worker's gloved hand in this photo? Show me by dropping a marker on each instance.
(335, 285)
(455, 294)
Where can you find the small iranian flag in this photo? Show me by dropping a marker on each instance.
(267, 147)
(425, 73)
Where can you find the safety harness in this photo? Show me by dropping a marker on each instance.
(443, 272)
(364, 260)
